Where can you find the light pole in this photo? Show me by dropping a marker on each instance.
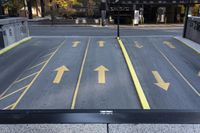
(29, 4)
(118, 18)
(103, 11)
(42, 7)
(186, 18)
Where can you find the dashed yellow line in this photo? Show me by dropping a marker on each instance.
(38, 74)
(25, 77)
(79, 77)
(13, 92)
(139, 90)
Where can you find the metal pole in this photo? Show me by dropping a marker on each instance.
(42, 7)
(103, 12)
(186, 20)
(29, 4)
(1, 10)
(118, 22)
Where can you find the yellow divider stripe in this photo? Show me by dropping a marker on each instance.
(14, 45)
(140, 92)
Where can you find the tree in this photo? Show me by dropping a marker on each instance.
(195, 10)
(90, 8)
(14, 6)
(61, 7)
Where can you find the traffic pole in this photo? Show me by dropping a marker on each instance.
(186, 20)
(118, 23)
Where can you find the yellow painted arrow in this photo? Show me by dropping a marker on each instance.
(101, 74)
(60, 72)
(160, 82)
(169, 44)
(101, 44)
(75, 44)
(199, 74)
(138, 45)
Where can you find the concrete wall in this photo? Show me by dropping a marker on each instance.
(193, 29)
(13, 30)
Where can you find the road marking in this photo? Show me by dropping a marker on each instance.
(169, 44)
(138, 45)
(13, 92)
(25, 77)
(79, 77)
(47, 55)
(101, 44)
(75, 44)
(60, 71)
(53, 48)
(38, 74)
(199, 74)
(160, 82)
(8, 107)
(183, 77)
(101, 74)
(36, 65)
(135, 80)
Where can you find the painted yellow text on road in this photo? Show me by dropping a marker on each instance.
(101, 43)
(160, 82)
(101, 74)
(138, 45)
(169, 44)
(75, 44)
(60, 71)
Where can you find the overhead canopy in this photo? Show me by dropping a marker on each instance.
(153, 1)
(127, 5)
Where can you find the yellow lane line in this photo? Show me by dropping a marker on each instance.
(135, 80)
(79, 77)
(8, 107)
(183, 77)
(12, 93)
(36, 65)
(25, 77)
(29, 86)
(46, 55)
(14, 45)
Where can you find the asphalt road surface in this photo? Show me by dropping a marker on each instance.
(41, 30)
(90, 72)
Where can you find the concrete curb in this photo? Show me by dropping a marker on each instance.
(191, 44)
(11, 46)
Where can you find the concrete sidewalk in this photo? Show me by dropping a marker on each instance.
(100, 128)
